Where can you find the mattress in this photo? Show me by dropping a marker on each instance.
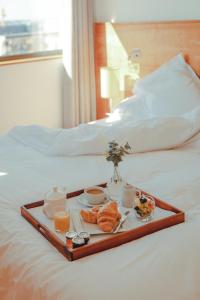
(164, 265)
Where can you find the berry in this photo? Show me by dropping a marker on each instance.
(143, 200)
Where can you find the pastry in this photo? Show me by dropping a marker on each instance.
(107, 217)
(90, 216)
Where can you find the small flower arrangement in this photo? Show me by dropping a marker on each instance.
(116, 152)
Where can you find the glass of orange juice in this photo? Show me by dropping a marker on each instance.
(62, 221)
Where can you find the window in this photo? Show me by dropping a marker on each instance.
(30, 27)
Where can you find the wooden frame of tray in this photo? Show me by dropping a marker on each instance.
(110, 241)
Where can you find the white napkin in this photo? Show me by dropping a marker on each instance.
(76, 220)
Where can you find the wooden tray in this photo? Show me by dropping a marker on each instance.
(109, 241)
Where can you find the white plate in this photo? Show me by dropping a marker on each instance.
(79, 224)
(84, 201)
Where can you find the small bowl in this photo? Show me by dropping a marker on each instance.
(147, 203)
(145, 218)
(95, 195)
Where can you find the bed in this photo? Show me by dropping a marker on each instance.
(163, 265)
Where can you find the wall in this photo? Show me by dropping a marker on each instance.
(31, 93)
(146, 10)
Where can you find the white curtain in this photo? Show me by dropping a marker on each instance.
(79, 83)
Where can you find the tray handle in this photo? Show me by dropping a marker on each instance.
(42, 230)
(46, 233)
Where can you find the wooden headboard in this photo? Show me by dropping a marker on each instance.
(158, 42)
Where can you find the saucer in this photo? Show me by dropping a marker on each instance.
(84, 201)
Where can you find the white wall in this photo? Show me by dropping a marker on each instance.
(146, 10)
(31, 93)
(35, 9)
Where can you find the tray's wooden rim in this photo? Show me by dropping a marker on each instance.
(108, 242)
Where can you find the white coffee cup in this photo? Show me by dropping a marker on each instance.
(95, 195)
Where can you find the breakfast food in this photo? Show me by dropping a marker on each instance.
(107, 217)
(90, 216)
(69, 237)
(77, 242)
(145, 206)
(84, 235)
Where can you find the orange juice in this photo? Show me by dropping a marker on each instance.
(61, 221)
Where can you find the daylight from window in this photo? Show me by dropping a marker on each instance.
(30, 26)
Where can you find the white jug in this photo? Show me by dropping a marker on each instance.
(128, 196)
(55, 201)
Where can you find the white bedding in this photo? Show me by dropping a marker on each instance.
(147, 134)
(165, 265)
(167, 121)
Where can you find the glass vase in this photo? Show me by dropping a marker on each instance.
(114, 185)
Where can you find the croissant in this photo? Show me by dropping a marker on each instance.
(107, 217)
(110, 210)
(90, 216)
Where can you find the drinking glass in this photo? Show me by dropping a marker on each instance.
(62, 221)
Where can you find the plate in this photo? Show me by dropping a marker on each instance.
(84, 201)
(80, 225)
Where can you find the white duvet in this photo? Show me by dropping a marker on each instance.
(164, 265)
(146, 134)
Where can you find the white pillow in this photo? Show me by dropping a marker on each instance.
(171, 90)
(133, 107)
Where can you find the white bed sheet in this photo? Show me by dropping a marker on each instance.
(164, 265)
